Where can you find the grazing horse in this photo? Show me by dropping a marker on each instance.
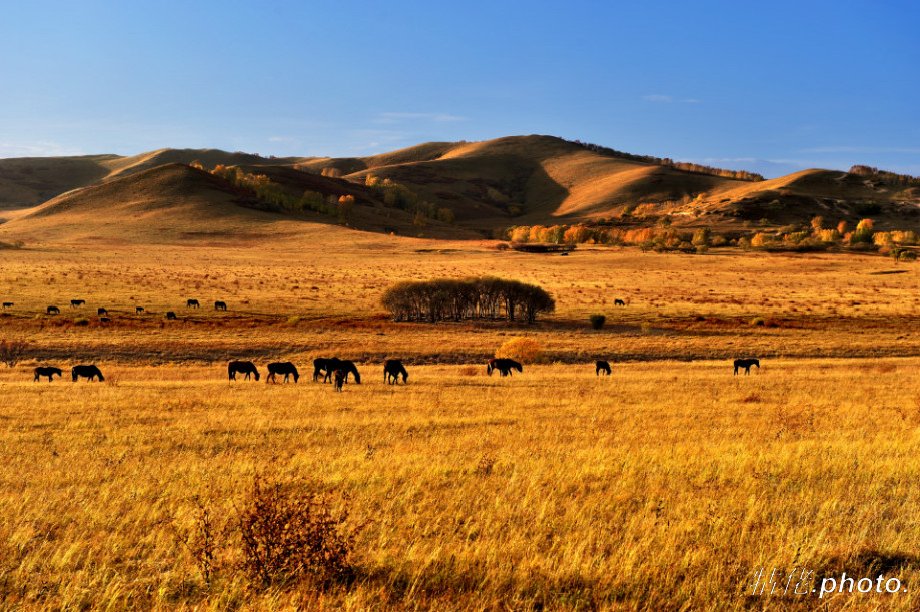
(7, 305)
(340, 377)
(102, 312)
(746, 364)
(53, 310)
(138, 310)
(242, 367)
(619, 302)
(321, 365)
(170, 316)
(219, 305)
(192, 303)
(504, 366)
(86, 371)
(286, 368)
(77, 303)
(392, 370)
(601, 366)
(49, 372)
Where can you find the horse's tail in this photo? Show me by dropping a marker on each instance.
(490, 367)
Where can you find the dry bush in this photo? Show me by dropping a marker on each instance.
(469, 370)
(525, 350)
(203, 539)
(289, 533)
(12, 351)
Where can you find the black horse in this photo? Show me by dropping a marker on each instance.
(505, 366)
(219, 305)
(77, 303)
(49, 372)
(53, 310)
(322, 365)
(242, 367)
(392, 370)
(86, 371)
(192, 303)
(138, 310)
(340, 377)
(171, 316)
(102, 312)
(619, 302)
(601, 366)
(286, 368)
(7, 305)
(746, 364)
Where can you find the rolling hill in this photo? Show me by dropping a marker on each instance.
(437, 189)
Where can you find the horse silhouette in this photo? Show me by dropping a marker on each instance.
(242, 367)
(505, 366)
(86, 371)
(77, 303)
(171, 316)
(138, 310)
(322, 365)
(286, 368)
(53, 310)
(7, 305)
(349, 368)
(219, 305)
(192, 303)
(46, 371)
(102, 312)
(601, 366)
(340, 377)
(619, 302)
(392, 370)
(746, 364)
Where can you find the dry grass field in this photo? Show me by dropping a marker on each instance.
(664, 486)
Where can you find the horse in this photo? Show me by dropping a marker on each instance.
(170, 316)
(49, 372)
(86, 371)
(53, 310)
(505, 366)
(321, 365)
(392, 370)
(138, 310)
(102, 312)
(349, 368)
(7, 305)
(77, 303)
(242, 367)
(286, 368)
(601, 366)
(746, 364)
(619, 302)
(192, 303)
(340, 377)
(219, 305)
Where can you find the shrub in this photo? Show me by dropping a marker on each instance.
(906, 255)
(11, 351)
(597, 321)
(81, 322)
(758, 321)
(288, 534)
(525, 350)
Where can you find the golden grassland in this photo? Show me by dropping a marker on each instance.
(661, 487)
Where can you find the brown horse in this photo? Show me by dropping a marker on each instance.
(340, 377)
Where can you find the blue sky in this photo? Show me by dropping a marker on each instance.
(771, 87)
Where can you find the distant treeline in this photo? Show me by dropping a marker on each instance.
(890, 178)
(472, 298)
(739, 175)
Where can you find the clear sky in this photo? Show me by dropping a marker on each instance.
(767, 86)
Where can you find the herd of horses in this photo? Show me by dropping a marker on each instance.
(103, 313)
(338, 370)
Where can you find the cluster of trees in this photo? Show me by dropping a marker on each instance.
(890, 178)
(471, 298)
(741, 175)
(399, 196)
(814, 236)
